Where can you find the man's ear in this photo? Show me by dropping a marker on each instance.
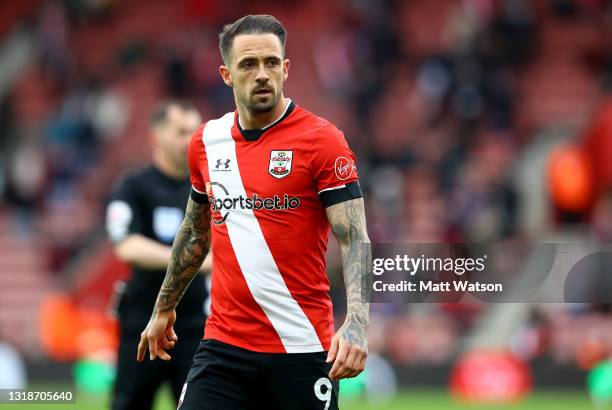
(226, 76)
(286, 64)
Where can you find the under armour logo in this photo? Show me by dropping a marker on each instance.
(225, 163)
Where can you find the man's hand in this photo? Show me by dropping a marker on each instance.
(158, 336)
(349, 348)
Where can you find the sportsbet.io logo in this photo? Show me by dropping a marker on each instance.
(222, 207)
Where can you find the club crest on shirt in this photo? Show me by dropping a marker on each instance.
(280, 163)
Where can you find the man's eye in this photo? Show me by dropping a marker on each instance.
(273, 63)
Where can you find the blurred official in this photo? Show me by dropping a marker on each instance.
(143, 216)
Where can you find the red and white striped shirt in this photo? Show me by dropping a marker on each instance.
(270, 291)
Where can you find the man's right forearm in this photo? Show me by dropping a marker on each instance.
(190, 247)
(144, 253)
(148, 254)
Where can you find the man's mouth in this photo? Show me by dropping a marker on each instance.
(263, 91)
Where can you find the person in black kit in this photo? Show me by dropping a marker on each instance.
(143, 216)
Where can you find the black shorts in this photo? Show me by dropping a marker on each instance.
(137, 383)
(225, 377)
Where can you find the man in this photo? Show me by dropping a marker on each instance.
(143, 216)
(267, 182)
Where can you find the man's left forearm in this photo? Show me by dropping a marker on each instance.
(349, 346)
(347, 221)
(355, 261)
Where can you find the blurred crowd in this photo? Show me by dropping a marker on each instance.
(452, 107)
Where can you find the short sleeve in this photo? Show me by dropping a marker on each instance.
(197, 158)
(333, 163)
(123, 215)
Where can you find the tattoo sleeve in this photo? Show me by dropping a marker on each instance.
(347, 220)
(191, 245)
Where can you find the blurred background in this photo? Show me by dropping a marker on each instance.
(472, 120)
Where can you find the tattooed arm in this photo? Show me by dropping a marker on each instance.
(190, 247)
(349, 347)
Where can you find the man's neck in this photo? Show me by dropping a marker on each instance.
(168, 169)
(254, 121)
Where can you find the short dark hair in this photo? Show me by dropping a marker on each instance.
(159, 115)
(250, 24)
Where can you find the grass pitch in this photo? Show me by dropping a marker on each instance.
(406, 400)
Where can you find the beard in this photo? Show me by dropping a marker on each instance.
(257, 106)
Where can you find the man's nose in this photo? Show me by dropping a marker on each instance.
(262, 74)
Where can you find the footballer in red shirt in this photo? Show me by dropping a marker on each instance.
(268, 182)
